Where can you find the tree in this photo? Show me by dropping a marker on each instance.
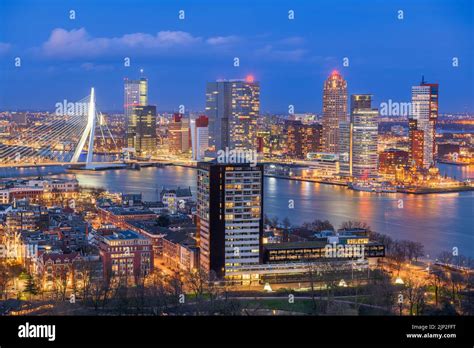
(266, 220)
(8, 273)
(436, 280)
(286, 223)
(415, 294)
(30, 286)
(414, 250)
(312, 272)
(159, 296)
(163, 221)
(350, 225)
(456, 279)
(319, 225)
(274, 221)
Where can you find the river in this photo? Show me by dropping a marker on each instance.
(439, 221)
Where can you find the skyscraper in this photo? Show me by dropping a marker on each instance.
(135, 94)
(179, 134)
(364, 126)
(302, 139)
(425, 112)
(232, 107)
(334, 110)
(230, 217)
(416, 139)
(345, 149)
(199, 137)
(141, 129)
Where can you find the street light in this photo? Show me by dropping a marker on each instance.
(399, 281)
(267, 287)
(342, 283)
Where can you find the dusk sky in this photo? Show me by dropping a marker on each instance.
(62, 58)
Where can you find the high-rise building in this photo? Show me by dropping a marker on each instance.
(425, 112)
(199, 137)
(179, 140)
(302, 139)
(345, 149)
(334, 110)
(392, 159)
(364, 125)
(230, 217)
(141, 129)
(135, 94)
(232, 107)
(416, 139)
(293, 138)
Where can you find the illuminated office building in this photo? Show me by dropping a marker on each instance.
(416, 140)
(232, 107)
(334, 110)
(425, 112)
(302, 139)
(141, 129)
(179, 139)
(345, 149)
(392, 159)
(230, 217)
(135, 94)
(364, 127)
(199, 137)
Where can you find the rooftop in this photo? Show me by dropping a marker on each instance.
(129, 211)
(123, 235)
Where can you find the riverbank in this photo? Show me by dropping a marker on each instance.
(417, 191)
(422, 191)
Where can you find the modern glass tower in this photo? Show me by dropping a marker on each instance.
(141, 129)
(334, 110)
(135, 94)
(364, 127)
(232, 107)
(425, 112)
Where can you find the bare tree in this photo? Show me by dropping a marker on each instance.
(286, 223)
(414, 292)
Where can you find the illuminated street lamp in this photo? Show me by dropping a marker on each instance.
(399, 281)
(342, 283)
(267, 287)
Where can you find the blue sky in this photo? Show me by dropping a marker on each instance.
(62, 58)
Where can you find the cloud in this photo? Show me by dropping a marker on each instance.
(96, 67)
(4, 47)
(269, 52)
(223, 40)
(78, 43)
(294, 40)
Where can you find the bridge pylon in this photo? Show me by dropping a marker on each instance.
(88, 132)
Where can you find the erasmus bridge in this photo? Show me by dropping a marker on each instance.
(60, 139)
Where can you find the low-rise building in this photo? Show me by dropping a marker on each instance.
(174, 199)
(126, 255)
(119, 216)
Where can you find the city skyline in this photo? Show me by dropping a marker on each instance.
(77, 54)
(241, 158)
